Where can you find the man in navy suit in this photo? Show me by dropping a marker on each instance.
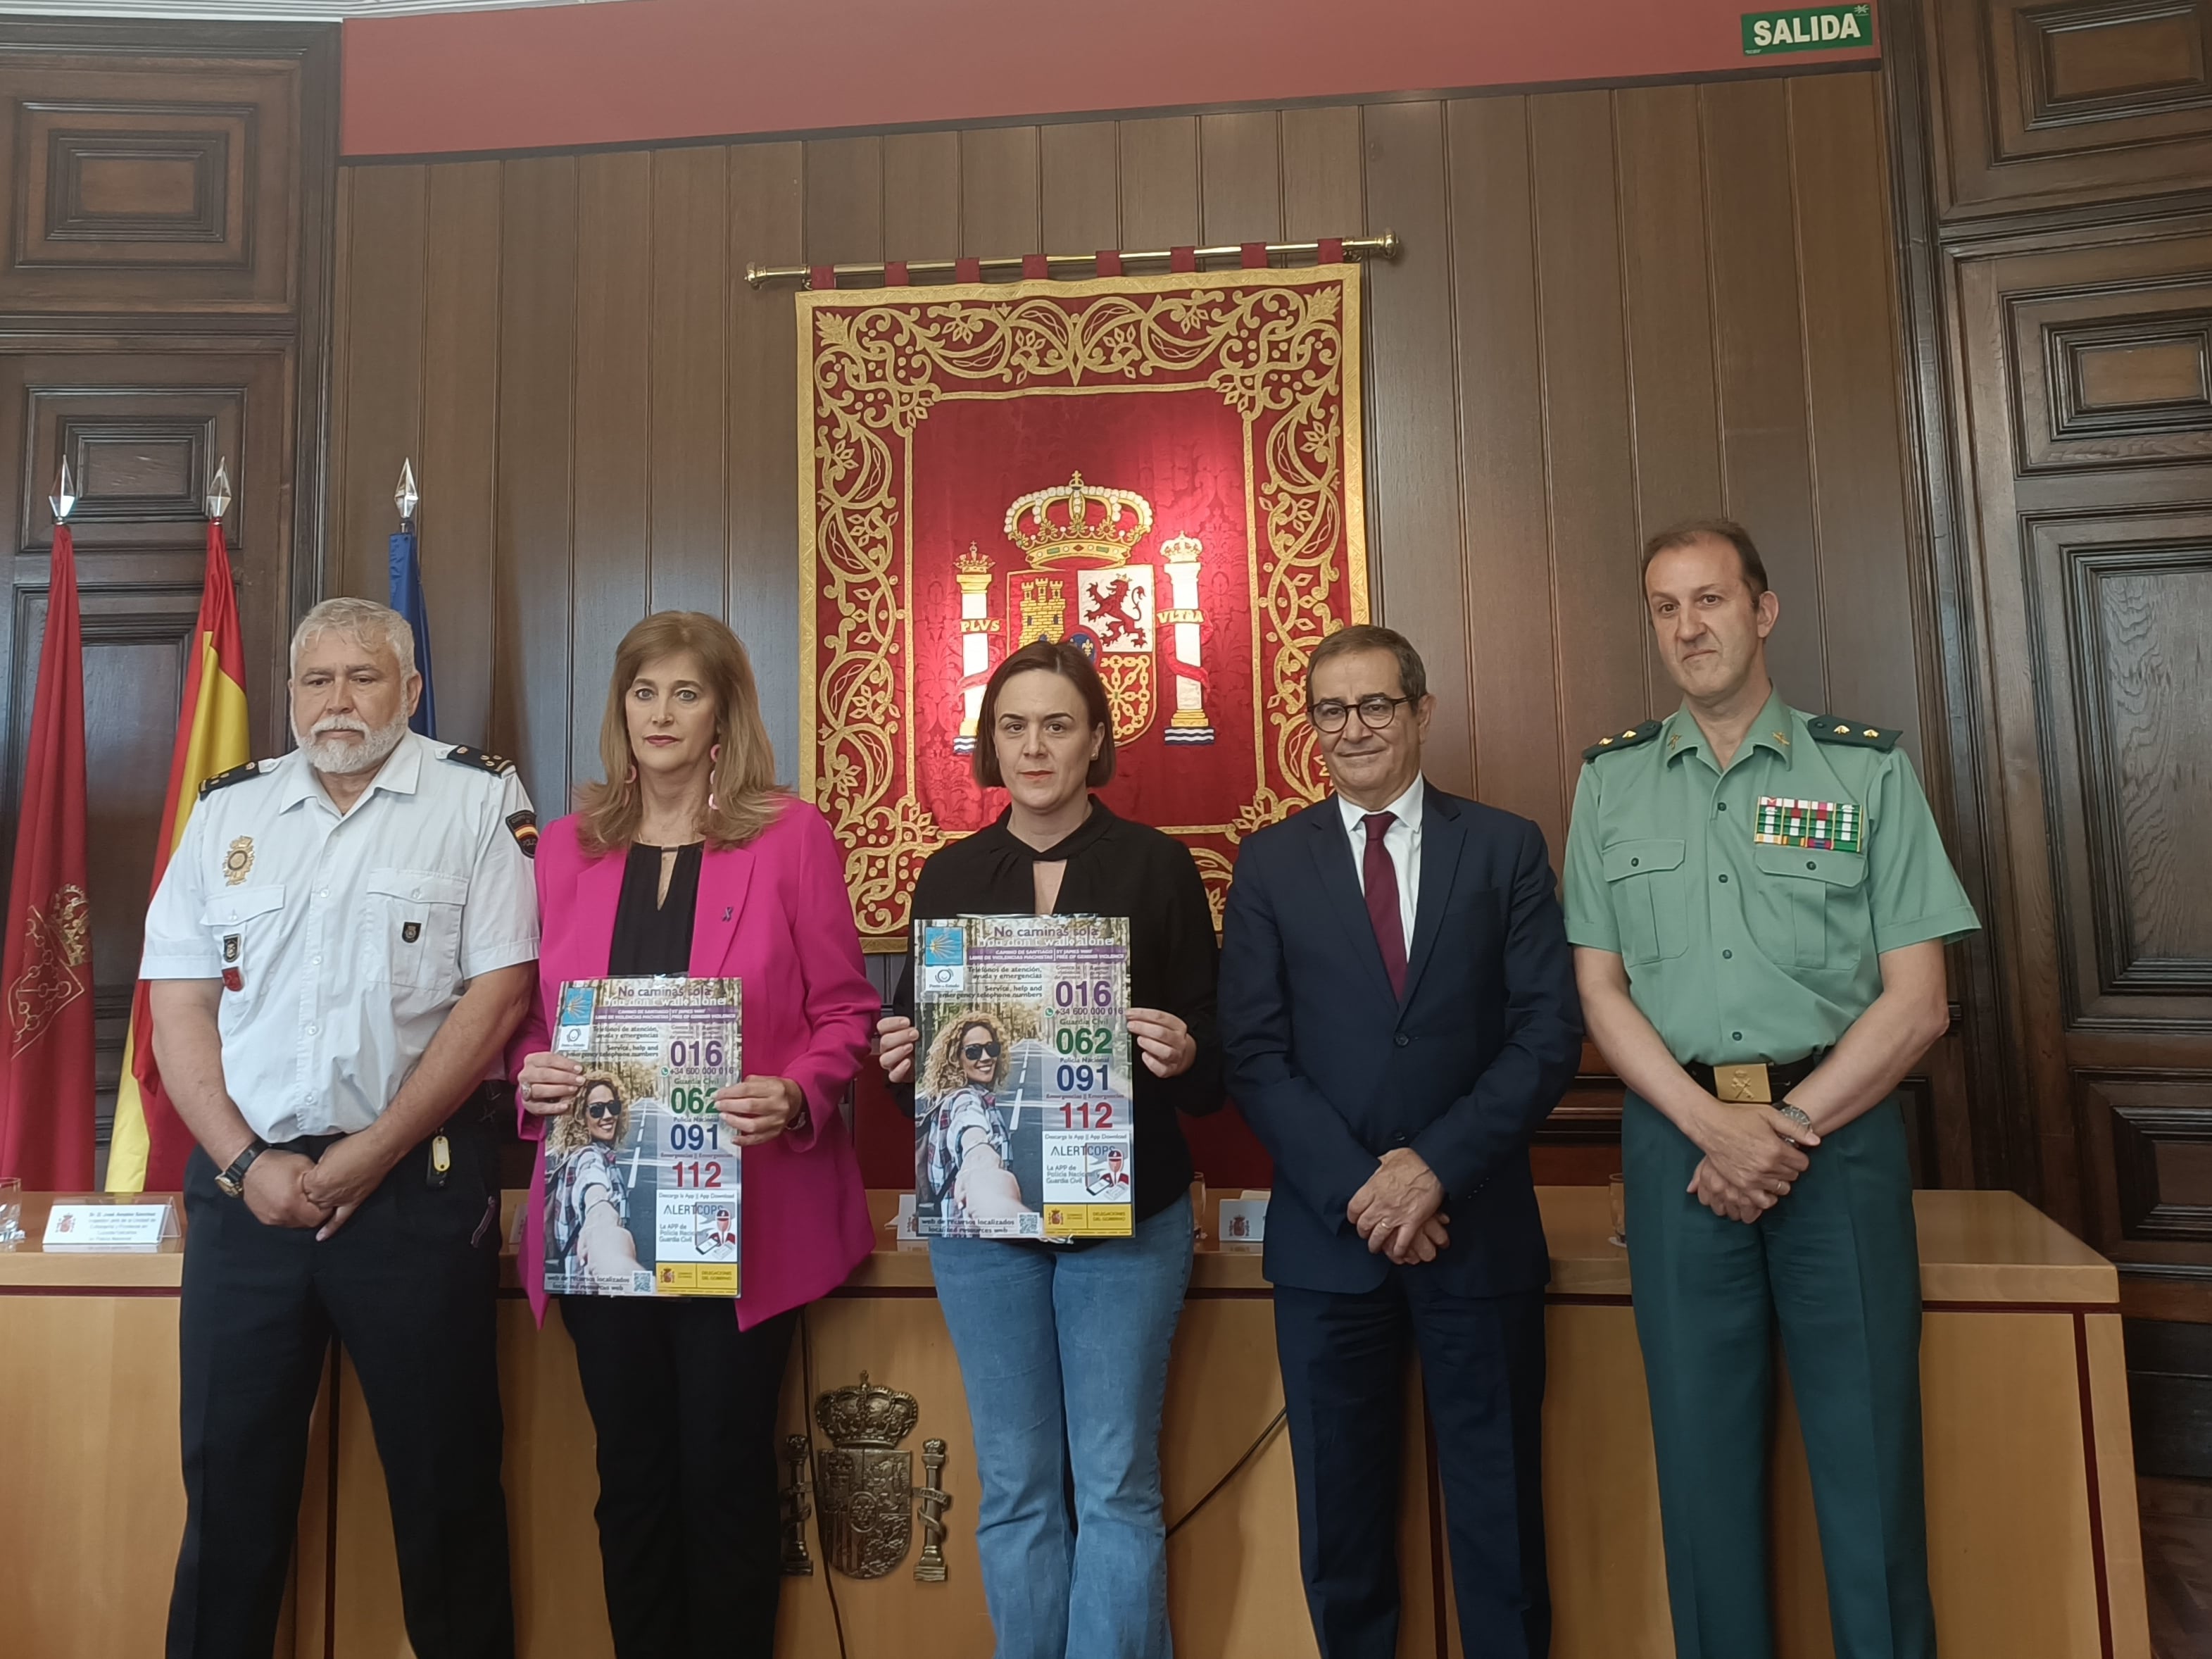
(1398, 1013)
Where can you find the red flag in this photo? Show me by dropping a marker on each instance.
(150, 1143)
(45, 971)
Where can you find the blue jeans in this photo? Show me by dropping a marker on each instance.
(1064, 1357)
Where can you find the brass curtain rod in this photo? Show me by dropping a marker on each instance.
(1385, 247)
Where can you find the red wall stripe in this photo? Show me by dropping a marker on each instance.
(559, 77)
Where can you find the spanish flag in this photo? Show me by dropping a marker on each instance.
(150, 1143)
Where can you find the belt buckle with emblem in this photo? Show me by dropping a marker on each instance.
(1743, 1085)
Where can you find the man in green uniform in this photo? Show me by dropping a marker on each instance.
(1759, 901)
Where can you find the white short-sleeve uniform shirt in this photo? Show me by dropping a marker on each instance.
(344, 940)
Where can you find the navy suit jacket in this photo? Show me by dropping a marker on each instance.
(1332, 1071)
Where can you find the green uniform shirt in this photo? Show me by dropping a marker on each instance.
(1751, 906)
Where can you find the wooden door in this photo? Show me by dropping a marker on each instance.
(166, 191)
(2062, 274)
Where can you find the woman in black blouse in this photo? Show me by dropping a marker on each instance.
(1064, 1347)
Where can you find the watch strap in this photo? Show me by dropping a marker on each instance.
(232, 1181)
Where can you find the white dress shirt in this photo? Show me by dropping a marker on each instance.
(1402, 841)
(342, 941)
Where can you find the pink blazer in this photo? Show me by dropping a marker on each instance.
(776, 915)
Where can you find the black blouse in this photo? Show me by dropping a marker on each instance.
(1114, 868)
(652, 935)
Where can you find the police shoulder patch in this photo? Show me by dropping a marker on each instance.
(483, 761)
(224, 779)
(1830, 728)
(1613, 744)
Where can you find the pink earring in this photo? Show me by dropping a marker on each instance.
(713, 759)
(632, 778)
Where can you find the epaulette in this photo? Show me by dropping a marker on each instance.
(497, 765)
(224, 779)
(1621, 740)
(1827, 728)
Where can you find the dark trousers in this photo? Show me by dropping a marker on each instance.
(691, 1525)
(407, 1286)
(1482, 1368)
(1836, 1267)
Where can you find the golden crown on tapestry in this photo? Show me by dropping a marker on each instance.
(1091, 523)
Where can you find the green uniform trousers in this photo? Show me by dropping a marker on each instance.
(1836, 1266)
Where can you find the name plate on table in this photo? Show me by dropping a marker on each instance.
(94, 1226)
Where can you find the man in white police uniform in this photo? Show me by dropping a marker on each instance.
(337, 952)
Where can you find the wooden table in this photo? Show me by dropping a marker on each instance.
(2035, 1547)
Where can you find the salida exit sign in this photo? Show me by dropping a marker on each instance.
(1818, 28)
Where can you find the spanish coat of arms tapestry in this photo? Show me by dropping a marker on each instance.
(1164, 470)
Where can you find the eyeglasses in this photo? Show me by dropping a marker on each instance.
(980, 1051)
(1376, 712)
(602, 1109)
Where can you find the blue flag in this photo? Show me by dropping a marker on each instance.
(407, 600)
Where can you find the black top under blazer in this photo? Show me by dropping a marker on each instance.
(1332, 1071)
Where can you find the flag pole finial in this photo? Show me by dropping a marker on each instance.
(218, 492)
(406, 496)
(64, 500)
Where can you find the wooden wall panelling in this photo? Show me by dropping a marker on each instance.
(611, 484)
(921, 195)
(1667, 287)
(1590, 469)
(1323, 191)
(1851, 404)
(1764, 456)
(690, 301)
(766, 227)
(1159, 182)
(381, 347)
(1413, 459)
(1506, 530)
(844, 199)
(999, 192)
(1079, 187)
(533, 550)
(1240, 177)
(460, 432)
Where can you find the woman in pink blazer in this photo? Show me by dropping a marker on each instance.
(691, 861)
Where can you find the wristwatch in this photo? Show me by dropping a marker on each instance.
(232, 1182)
(1795, 1114)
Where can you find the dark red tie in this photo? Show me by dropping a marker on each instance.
(1381, 876)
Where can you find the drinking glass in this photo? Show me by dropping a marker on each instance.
(1616, 1192)
(11, 1209)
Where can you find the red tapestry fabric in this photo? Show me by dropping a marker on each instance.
(1164, 469)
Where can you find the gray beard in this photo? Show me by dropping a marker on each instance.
(342, 759)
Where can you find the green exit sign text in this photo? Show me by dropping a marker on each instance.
(1820, 28)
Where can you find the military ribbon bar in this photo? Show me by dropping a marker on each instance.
(1828, 825)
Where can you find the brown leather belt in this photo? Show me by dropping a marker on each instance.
(1759, 1083)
